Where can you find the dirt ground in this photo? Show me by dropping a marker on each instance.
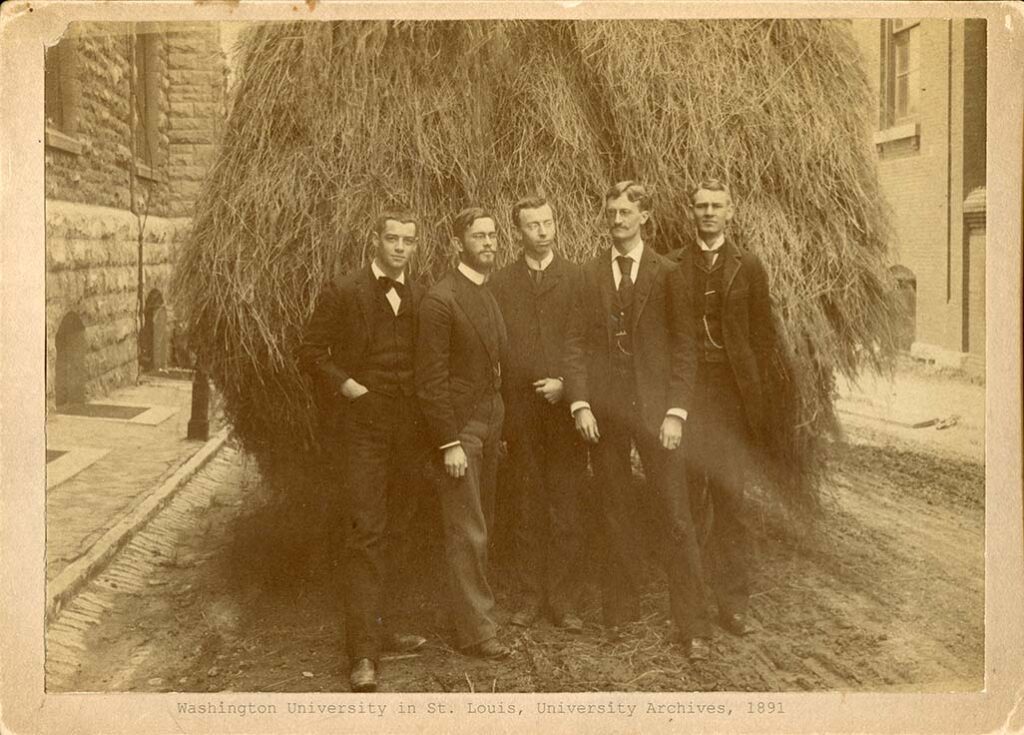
(886, 594)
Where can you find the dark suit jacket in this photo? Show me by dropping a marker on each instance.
(334, 346)
(747, 326)
(664, 360)
(458, 355)
(537, 320)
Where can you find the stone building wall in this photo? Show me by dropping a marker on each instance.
(108, 205)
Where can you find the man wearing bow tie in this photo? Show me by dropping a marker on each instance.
(629, 379)
(547, 460)
(359, 345)
(459, 354)
(734, 331)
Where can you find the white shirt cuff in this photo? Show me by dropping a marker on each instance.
(449, 445)
(678, 412)
(576, 406)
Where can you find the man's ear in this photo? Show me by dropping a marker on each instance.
(645, 215)
(456, 245)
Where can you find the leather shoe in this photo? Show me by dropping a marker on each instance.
(364, 676)
(402, 642)
(699, 649)
(525, 616)
(570, 622)
(491, 648)
(736, 623)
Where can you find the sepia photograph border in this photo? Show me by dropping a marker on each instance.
(27, 27)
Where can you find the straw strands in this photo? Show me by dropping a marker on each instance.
(333, 122)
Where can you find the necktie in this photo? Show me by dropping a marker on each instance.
(626, 282)
(709, 257)
(386, 284)
(537, 274)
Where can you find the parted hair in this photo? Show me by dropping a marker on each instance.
(465, 219)
(710, 184)
(634, 192)
(402, 216)
(533, 201)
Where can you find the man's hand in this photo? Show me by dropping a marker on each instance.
(586, 425)
(455, 462)
(671, 434)
(352, 390)
(550, 389)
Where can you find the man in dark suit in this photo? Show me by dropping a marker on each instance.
(734, 331)
(547, 460)
(629, 375)
(359, 344)
(458, 381)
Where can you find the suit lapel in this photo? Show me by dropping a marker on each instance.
(644, 281)
(606, 285)
(469, 306)
(731, 255)
(366, 294)
(552, 274)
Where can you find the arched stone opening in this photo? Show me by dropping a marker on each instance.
(69, 369)
(154, 342)
(906, 285)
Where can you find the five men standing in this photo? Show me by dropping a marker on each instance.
(631, 349)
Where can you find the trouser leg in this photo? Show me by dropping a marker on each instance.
(530, 516)
(724, 457)
(666, 478)
(622, 567)
(564, 467)
(467, 508)
(365, 519)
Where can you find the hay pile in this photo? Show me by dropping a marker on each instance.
(331, 122)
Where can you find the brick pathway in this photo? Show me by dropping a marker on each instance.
(82, 508)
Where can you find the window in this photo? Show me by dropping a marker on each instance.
(61, 96)
(900, 83)
(146, 92)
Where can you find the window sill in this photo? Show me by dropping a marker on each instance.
(148, 172)
(907, 131)
(62, 142)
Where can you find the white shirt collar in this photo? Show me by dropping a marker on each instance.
(377, 272)
(542, 264)
(475, 276)
(636, 253)
(716, 244)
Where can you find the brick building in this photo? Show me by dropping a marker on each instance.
(929, 77)
(133, 117)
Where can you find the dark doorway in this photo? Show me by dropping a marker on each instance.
(69, 371)
(906, 285)
(154, 342)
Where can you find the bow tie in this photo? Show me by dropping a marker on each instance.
(386, 284)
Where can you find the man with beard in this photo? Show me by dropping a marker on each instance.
(629, 379)
(735, 334)
(458, 381)
(547, 461)
(359, 345)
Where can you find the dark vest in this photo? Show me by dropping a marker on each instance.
(389, 354)
(622, 338)
(710, 285)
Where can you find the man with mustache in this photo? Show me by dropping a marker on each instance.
(547, 461)
(629, 380)
(735, 333)
(359, 346)
(458, 380)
